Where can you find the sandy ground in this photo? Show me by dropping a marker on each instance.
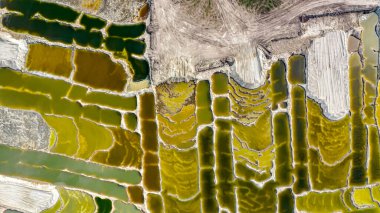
(24, 129)
(327, 79)
(185, 33)
(13, 51)
(26, 196)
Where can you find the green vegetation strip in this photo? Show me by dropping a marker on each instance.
(63, 178)
(57, 163)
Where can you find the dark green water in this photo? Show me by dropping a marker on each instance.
(140, 68)
(104, 205)
(132, 46)
(87, 38)
(127, 31)
(48, 10)
(114, 44)
(90, 22)
(52, 31)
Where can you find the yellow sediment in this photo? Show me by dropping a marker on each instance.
(321, 202)
(179, 172)
(362, 197)
(256, 136)
(92, 5)
(92, 137)
(248, 105)
(96, 69)
(66, 130)
(176, 116)
(332, 138)
(54, 60)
